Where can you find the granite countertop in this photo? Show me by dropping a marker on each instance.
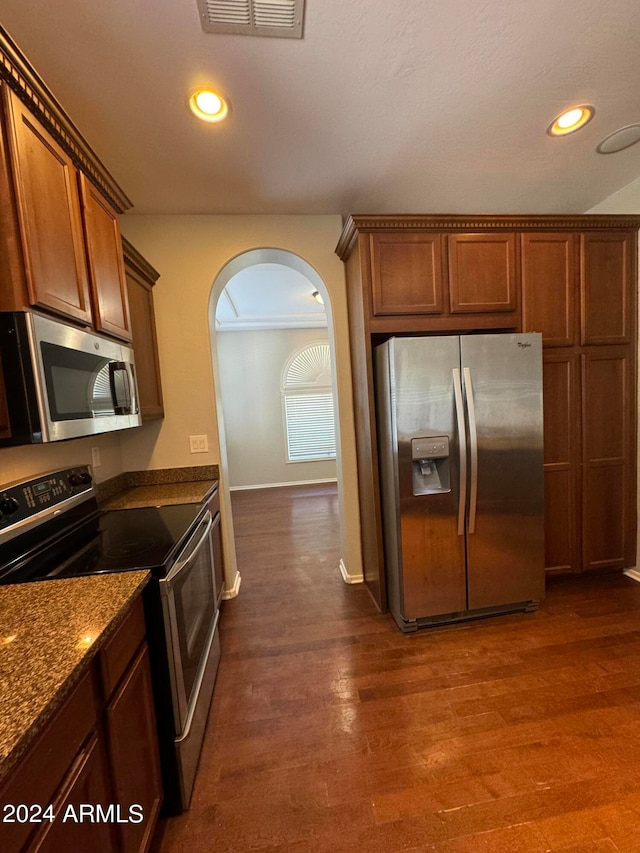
(158, 487)
(48, 634)
(162, 494)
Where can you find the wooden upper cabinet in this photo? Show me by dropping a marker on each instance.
(141, 278)
(406, 273)
(48, 208)
(606, 270)
(482, 273)
(548, 277)
(106, 267)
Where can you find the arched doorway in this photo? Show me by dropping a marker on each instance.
(234, 267)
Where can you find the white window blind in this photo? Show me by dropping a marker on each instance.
(311, 432)
(308, 405)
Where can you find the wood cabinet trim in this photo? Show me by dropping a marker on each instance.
(18, 73)
(135, 262)
(357, 224)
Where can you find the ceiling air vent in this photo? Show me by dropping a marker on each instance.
(277, 18)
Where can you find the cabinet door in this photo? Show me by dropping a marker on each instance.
(49, 215)
(145, 346)
(549, 286)
(561, 390)
(84, 789)
(133, 751)
(608, 457)
(406, 273)
(606, 266)
(482, 273)
(106, 265)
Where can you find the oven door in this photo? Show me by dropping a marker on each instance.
(190, 620)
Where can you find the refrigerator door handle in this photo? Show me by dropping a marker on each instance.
(473, 450)
(462, 445)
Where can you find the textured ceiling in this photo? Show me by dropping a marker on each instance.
(411, 106)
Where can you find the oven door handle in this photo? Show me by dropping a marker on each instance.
(181, 563)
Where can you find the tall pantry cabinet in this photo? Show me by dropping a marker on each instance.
(572, 278)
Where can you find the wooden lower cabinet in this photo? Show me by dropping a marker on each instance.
(561, 395)
(590, 467)
(608, 457)
(96, 763)
(131, 736)
(74, 828)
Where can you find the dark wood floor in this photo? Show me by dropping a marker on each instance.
(332, 731)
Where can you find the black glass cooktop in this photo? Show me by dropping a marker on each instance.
(114, 541)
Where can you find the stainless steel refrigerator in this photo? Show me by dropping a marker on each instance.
(461, 455)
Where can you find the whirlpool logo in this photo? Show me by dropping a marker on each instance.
(523, 345)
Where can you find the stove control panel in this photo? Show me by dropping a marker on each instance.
(20, 501)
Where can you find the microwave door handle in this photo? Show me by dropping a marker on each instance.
(115, 367)
(180, 564)
(134, 408)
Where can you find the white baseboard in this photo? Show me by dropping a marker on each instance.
(346, 577)
(281, 485)
(634, 574)
(235, 589)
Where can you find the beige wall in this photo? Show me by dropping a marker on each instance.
(189, 252)
(21, 463)
(250, 365)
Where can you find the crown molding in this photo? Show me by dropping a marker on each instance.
(18, 73)
(134, 260)
(366, 224)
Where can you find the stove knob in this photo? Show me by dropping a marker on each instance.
(75, 480)
(85, 478)
(8, 506)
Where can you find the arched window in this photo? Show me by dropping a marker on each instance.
(308, 405)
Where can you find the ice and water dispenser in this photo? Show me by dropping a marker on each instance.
(430, 463)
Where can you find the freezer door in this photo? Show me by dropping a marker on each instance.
(502, 377)
(424, 545)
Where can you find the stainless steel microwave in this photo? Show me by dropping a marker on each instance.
(62, 382)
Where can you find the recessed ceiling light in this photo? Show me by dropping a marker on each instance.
(208, 105)
(571, 120)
